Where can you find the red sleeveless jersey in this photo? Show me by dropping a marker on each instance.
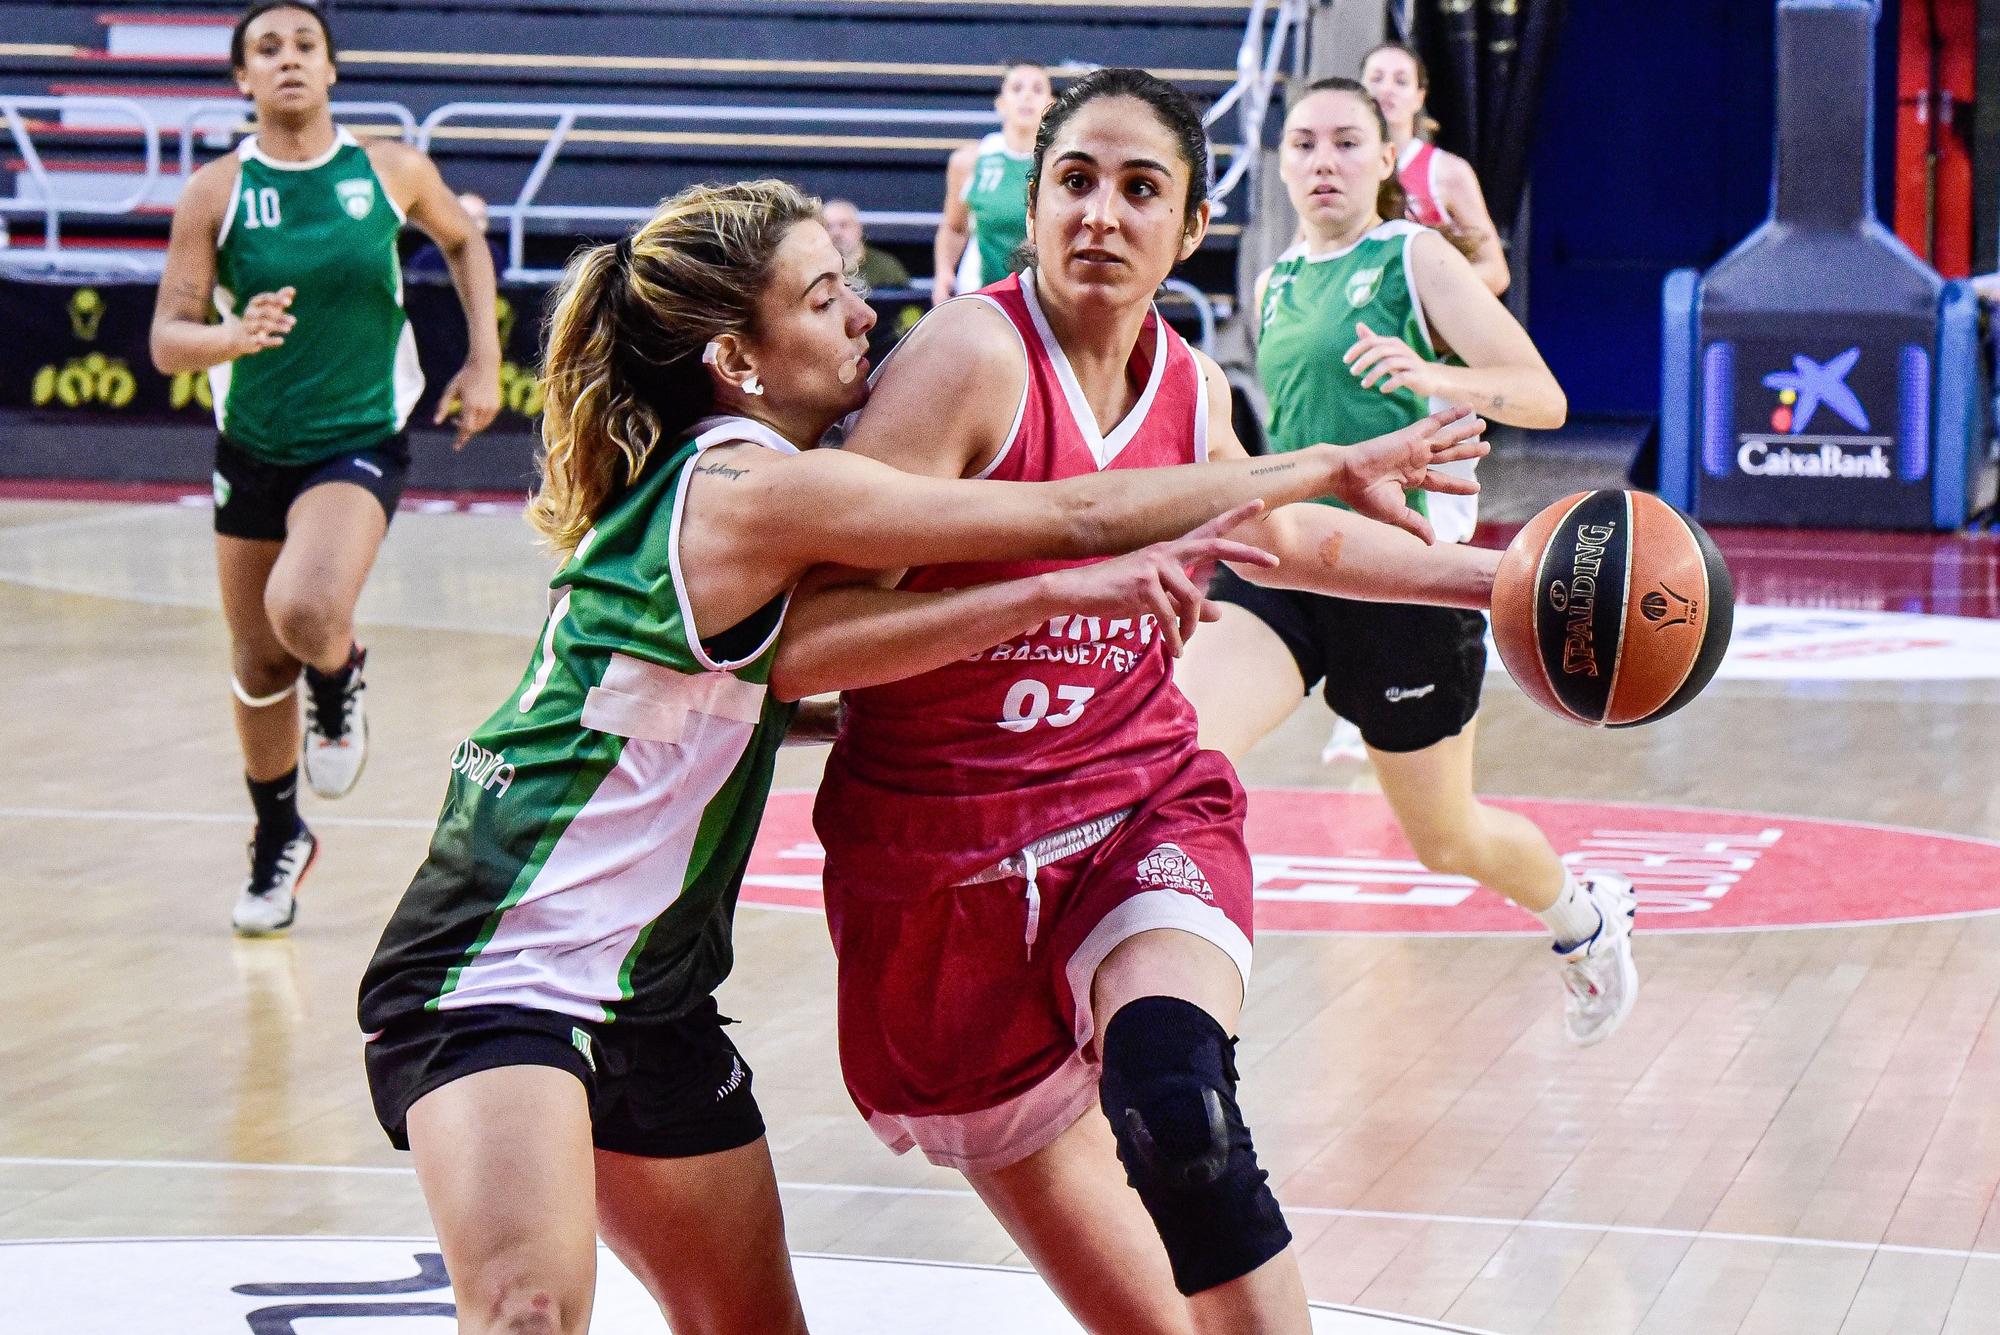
(940, 776)
(1416, 172)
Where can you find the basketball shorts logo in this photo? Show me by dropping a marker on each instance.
(734, 1081)
(580, 1040)
(220, 484)
(1168, 868)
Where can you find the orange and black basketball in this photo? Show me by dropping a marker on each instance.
(1612, 608)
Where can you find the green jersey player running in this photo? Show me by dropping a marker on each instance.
(985, 217)
(541, 1033)
(291, 240)
(1366, 325)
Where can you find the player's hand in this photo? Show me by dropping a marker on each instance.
(1167, 581)
(262, 323)
(1387, 363)
(1373, 475)
(941, 289)
(474, 394)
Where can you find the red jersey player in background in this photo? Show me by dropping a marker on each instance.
(1036, 881)
(1442, 188)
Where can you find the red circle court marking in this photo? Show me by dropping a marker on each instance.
(1335, 862)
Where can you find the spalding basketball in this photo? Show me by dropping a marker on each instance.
(1612, 608)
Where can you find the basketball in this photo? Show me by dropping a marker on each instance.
(1612, 608)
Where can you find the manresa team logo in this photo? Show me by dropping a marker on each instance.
(1789, 450)
(1337, 862)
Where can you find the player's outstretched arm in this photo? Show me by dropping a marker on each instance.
(1324, 550)
(845, 630)
(944, 406)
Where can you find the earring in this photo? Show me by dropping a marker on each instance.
(752, 386)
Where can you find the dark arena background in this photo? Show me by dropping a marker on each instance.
(1755, 241)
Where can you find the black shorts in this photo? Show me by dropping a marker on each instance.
(252, 497)
(1408, 676)
(662, 1089)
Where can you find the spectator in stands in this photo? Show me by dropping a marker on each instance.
(986, 190)
(875, 268)
(1441, 187)
(429, 262)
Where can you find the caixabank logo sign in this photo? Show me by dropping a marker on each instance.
(1809, 394)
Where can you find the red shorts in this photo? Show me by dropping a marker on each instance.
(965, 1023)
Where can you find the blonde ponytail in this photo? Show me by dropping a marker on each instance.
(595, 431)
(622, 370)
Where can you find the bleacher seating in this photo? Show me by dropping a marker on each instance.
(907, 55)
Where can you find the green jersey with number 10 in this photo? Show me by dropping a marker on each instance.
(346, 375)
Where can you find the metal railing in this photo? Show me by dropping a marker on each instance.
(233, 117)
(1204, 310)
(564, 117)
(51, 204)
(1257, 61)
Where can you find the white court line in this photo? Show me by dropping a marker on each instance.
(201, 817)
(1324, 1211)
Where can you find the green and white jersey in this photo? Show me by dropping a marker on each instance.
(997, 196)
(346, 375)
(596, 828)
(1306, 326)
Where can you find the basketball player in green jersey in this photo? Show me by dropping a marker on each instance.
(292, 241)
(1363, 327)
(986, 190)
(541, 1033)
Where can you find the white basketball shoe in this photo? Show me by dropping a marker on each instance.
(1600, 982)
(269, 901)
(336, 728)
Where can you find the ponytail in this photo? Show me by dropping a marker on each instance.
(597, 433)
(623, 371)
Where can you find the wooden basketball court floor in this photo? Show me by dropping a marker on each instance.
(1798, 1131)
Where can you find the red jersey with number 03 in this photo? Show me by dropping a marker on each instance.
(940, 776)
(1416, 172)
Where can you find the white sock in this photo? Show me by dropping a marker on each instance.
(1572, 918)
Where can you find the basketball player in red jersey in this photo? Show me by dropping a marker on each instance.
(1443, 190)
(1036, 881)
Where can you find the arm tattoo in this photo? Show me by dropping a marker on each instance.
(1264, 469)
(185, 301)
(721, 471)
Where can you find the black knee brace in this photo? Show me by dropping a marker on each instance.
(1169, 1088)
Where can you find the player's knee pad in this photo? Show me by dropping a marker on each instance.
(1169, 1088)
